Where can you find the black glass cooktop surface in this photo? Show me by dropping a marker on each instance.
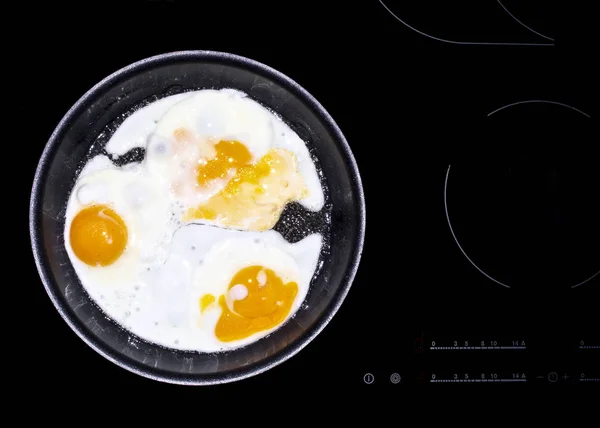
(476, 137)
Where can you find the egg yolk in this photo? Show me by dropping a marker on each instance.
(266, 304)
(206, 301)
(256, 195)
(229, 154)
(98, 235)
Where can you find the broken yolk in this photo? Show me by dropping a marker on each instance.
(206, 301)
(256, 195)
(229, 154)
(98, 235)
(267, 304)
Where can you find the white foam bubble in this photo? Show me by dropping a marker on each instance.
(238, 292)
(261, 277)
(89, 193)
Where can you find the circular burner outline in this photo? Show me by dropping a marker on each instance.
(456, 239)
(456, 42)
(465, 253)
(446, 196)
(539, 101)
(521, 23)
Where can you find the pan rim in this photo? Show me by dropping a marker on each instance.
(35, 214)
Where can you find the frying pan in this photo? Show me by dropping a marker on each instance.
(84, 131)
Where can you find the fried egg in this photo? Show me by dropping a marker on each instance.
(178, 248)
(194, 300)
(115, 223)
(249, 284)
(230, 161)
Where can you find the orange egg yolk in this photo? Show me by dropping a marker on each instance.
(257, 191)
(267, 303)
(98, 235)
(229, 154)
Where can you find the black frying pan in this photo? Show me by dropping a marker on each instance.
(87, 127)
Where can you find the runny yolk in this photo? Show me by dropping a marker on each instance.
(98, 235)
(267, 303)
(258, 191)
(206, 301)
(229, 154)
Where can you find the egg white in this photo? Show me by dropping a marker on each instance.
(154, 287)
(203, 259)
(134, 130)
(214, 115)
(224, 114)
(149, 228)
(209, 116)
(233, 251)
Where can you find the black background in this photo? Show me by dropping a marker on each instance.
(405, 103)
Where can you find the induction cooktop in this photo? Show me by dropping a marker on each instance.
(509, 292)
(500, 224)
(474, 128)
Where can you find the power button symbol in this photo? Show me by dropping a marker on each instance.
(369, 378)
